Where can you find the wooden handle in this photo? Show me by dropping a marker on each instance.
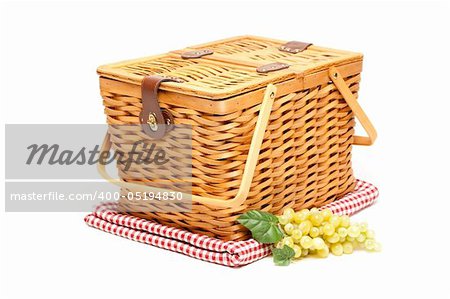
(249, 169)
(348, 96)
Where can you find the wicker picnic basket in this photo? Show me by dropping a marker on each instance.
(272, 125)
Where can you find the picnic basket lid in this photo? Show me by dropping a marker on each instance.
(229, 67)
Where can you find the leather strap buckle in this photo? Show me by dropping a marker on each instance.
(155, 122)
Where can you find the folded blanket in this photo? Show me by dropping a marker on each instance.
(227, 253)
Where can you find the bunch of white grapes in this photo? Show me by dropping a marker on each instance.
(320, 232)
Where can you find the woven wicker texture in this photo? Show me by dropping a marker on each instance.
(305, 159)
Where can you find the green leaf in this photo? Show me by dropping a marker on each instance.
(263, 226)
(283, 256)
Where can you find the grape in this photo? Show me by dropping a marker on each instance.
(301, 216)
(316, 218)
(288, 228)
(288, 241)
(334, 220)
(305, 212)
(283, 219)
(353, 231)
(345, 221)
(314, 232)
(296, 234)
(342, 232)
(314, 210)
(318, 243)
(326, 214)
(324, 252)
(305, 252)
(347, 247)
(328, 229)
(289, 213)
(320, 230)
(337, 249)
(296, 218)
(305, 226)
(369, 244)
(361, 238)
(306, 242)
(334, 238)
(297, 251)
(363, 227)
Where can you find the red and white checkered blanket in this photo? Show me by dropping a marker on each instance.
(227, 253)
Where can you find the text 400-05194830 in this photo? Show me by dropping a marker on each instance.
(158, 196)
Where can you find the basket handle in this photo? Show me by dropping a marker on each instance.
(249, 168)
(348, 96)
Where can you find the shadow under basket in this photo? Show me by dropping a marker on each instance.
(272, 126)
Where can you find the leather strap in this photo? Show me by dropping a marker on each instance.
(271, 67)
(294, 47)
(196, 54)
(154, 121)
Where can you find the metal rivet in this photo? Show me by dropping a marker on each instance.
(272, 95)
(152, 122)
(335, 75)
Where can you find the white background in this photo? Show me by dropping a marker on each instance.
(49, 54)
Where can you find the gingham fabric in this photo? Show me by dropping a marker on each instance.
(231, 253)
